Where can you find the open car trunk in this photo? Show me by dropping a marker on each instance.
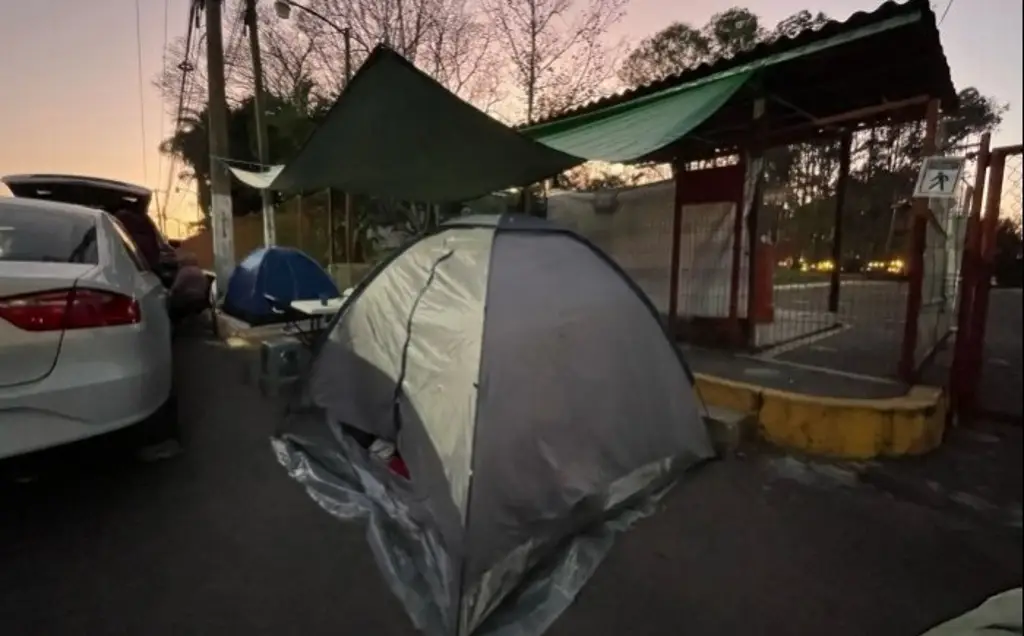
(90, 192)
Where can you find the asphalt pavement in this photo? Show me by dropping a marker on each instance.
(870, 320)
(1002, 374)
(871, 316)
(220, 541)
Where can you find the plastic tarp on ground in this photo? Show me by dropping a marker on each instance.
(536, 399)
(999, 615)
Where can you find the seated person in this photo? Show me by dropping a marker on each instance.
(190, 291)
(159, 256)
(145, 235)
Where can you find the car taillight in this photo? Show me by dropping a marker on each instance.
(69, 309)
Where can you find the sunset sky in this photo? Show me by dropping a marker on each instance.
(71, 87)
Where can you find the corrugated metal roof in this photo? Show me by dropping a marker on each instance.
(783, 44)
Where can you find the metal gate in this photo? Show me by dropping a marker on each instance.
(985, 376)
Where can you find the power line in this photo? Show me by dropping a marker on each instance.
(234, 40)
(142, 91)
(162, 206)
(184, 91)
(945, 12)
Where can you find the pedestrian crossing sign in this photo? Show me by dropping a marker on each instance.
(939, 177)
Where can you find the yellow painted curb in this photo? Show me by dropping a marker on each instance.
(837, 427)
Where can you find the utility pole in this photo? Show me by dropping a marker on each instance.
(220, 180)
(266, 197)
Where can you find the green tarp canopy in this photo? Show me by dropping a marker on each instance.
(395, 132)
(628, 131)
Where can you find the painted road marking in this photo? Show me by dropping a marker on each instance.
(803, 342)
(826, 370)
(845, 283)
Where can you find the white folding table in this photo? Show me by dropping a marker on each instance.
(316, 311)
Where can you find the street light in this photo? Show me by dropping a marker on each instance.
(283, 9)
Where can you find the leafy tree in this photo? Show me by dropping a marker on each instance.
(672, 50)
(801, 178)
(681, 46)
(289, 123)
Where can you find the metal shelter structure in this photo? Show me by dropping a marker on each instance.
(882, 68)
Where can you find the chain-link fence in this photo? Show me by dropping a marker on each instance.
(987, 368)
(994, 371)
(935, 318)
(842, 247)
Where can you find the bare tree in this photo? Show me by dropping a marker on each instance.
(556, 50)
(449, 39)
(289, 60)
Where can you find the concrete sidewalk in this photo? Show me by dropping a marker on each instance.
(786, 376)
(220, 540)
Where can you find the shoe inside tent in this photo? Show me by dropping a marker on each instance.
(534, 396)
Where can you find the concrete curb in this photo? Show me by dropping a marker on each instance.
(835, 427)
(729, 430)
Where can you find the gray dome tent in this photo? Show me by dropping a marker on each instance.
(533, 394)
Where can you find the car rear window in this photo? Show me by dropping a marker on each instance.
(45, 236)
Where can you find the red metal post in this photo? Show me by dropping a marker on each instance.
(915, 264)
(748, 335)
(989, 227)
(677, 233)
(737, 260)
(968, 278)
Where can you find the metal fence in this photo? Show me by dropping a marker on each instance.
(986, 372)
(827, 272)
(842, 246)
(935, 317)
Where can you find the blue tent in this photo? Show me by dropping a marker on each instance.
(281, 273)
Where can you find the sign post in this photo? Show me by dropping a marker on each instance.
(939, 177)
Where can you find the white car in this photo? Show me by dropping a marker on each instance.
(85, 338)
